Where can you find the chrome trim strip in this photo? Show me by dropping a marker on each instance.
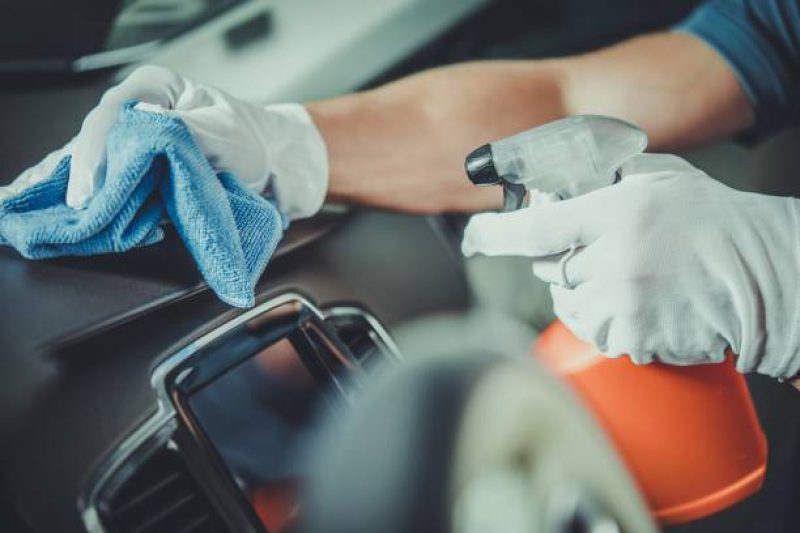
(166, 413)
(375, 324)
(165, 367)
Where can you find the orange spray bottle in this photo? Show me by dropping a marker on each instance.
(689, 435)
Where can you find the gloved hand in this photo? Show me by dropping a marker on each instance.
(668, 264)
(277, 144)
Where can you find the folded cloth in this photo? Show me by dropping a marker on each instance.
(155, 170)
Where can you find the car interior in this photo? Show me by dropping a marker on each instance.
(133, 400)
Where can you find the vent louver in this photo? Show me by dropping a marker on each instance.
(160, 496)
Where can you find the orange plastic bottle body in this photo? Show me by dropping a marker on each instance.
(689, 435)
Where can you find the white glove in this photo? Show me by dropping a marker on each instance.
(669, 264)
(277, 145)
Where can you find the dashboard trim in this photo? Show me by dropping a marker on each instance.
(160, 428)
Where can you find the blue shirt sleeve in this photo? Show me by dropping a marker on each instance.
(760, 40)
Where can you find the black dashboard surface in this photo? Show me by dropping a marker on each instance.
(58, 301)
(79, 337)
(47, 302)
(72, 399)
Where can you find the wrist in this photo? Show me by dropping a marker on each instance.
(296, 158)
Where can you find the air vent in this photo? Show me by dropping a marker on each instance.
(160, 496)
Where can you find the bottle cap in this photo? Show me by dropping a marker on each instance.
(480, 166)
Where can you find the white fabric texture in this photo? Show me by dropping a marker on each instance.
(276, 145)
(669, 264)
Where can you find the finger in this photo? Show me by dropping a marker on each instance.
(655, 165)
(537, 231)
(569, 307)
(548, 269)
(537, 197)
(577, 310)
(209, 129)
(588, 312)
(558, 269)
(88, 156)
(89, 152)
(87, 168)
(147, 107)
(581, 266)
(571, 268)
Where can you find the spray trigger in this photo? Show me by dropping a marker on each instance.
(567, 157)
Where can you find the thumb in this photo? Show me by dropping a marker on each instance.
(151, 84)
(655, 165)
(88, 156)
(537, 231)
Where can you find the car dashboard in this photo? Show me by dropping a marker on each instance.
(113, 366)
(103, 419)
(183, 470)
(85, 435)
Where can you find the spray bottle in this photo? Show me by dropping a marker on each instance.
(689, 435)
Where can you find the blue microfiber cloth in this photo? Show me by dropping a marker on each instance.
(155, 169)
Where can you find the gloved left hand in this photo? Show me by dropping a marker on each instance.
(276, 145)
(669, 264)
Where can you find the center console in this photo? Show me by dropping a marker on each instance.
(236, 417)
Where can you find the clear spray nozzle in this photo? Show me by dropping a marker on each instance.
(568, 157)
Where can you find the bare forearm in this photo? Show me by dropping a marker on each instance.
(674, 86)
(402, 146)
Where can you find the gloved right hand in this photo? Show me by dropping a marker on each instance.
(275, 145)
(669, 264)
